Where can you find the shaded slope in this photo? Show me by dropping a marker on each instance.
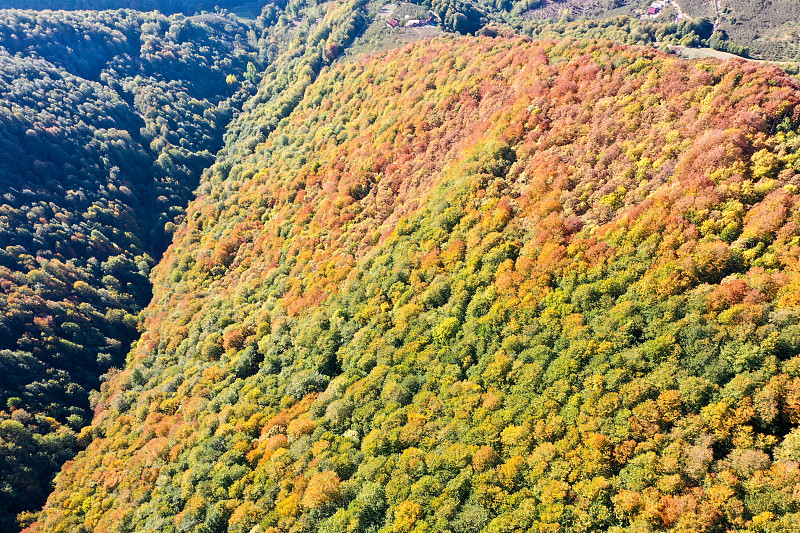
(63, 222)
(106, 121)
(474, 283)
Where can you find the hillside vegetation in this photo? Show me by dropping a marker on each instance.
(766, 30)
(106, 122)
(108, 119)
(474, 284)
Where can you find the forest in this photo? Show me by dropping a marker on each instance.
(543, 277)
(107, 124)
(439, 299)
(767, 30)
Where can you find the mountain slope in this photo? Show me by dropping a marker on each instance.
(106, 122)
(762, 29)
(473, 283)
(768, 29)
(109, 118)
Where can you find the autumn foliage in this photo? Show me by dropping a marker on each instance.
(474, 284)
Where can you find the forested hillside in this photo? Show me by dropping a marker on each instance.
(760, 29)
(474, 284)
(106, 122)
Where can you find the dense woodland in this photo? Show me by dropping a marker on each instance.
(415, 294)
(437, 296)
(629, 30)
(107, 122)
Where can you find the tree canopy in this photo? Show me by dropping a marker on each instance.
(473, 284)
